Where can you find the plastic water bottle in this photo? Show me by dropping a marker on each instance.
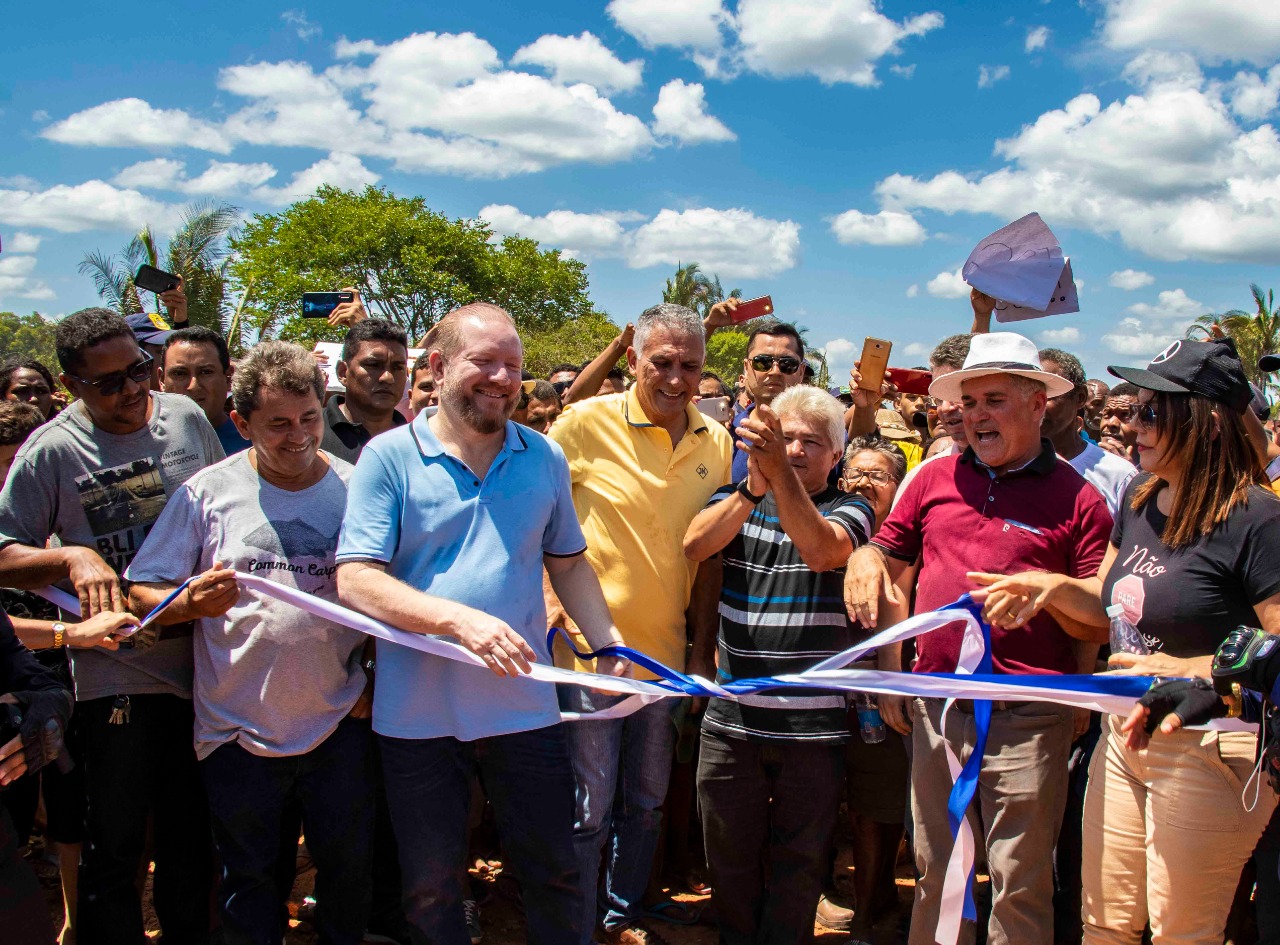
(1125, 637)
(870, 724)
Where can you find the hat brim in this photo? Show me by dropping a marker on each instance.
(157, 337)
(1147, 380)
(1269, 363)
(948, 387)
(528, 386)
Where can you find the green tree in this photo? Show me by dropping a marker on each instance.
(411, 265)
(575, 342)
(1255, 333)
(694, 289)
(725, 350)
(28, 336)
(197, 252)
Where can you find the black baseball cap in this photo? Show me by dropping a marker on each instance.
(1209, 369)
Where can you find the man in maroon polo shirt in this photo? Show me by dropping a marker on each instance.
(1007, 501)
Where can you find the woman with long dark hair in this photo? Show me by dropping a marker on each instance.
(1194, 553)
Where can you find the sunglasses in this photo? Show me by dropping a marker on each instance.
(112, 384)
(1146, 414)
(765, 362)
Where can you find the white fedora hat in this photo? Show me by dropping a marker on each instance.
(999, 352)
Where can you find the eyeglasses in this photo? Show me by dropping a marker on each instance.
(877, 477)
(112, 384)
(561, 386)
(765, 362)
(1146, 414)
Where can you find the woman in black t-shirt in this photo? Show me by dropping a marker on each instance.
(1195, 551)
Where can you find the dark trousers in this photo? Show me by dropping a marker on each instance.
(24, 915)
(529, 782)
(248, 795)
(146, 766)
(768, 815)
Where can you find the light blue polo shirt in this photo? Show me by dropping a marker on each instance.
(440, 529)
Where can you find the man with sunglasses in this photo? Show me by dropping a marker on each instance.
(98, 476)
(774, 362)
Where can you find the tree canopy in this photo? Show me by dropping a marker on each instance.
(28, 336)
(410, 264)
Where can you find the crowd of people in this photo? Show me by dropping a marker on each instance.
(729, 528)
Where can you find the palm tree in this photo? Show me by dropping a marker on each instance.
(197, 252)
(693, 289)
(1255, 333)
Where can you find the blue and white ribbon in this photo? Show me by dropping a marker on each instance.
(973, 679)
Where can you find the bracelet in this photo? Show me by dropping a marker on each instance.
(1235, 702)
(747, 494)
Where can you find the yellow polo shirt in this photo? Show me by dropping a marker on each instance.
(635, 498)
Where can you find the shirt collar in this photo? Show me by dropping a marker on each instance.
(636, 416)
(1041, 464)
(334, 417)
(429, 446)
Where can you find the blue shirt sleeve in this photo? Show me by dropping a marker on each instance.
(563, 536)
(375, 503)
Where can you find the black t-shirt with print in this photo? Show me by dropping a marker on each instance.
(1186, 601)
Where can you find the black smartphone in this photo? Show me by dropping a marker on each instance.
(320, 304)
(155, 280)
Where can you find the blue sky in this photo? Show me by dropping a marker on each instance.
(843, 156)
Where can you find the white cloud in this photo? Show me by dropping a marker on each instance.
(834, 40)
(133, 123)
(577, 234)
(1254, 98)
(582, 58)
(948, 285)
(16, 280)
(1037, 38)
(1220, 31)
(886, 228)
(1129, 279)
(22, 243)
(917, 350)
(1060, 336)
(690, 24)
(840, 354)
(345, 171)
(1213, 193)
(1171, 304)
(218, 179)
(730, 243)
(301, 25)
(990, 75)
(905, 71)
(92, 205)
(681, 114)
(1131, 337)
(913, 290)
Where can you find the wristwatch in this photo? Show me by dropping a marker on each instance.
(59, 630)
(747, 494)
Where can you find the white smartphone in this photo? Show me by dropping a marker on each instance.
(716, 408)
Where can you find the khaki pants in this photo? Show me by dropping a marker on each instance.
(1015, 815)
(1166, 835)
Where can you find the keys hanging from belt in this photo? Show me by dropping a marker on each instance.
(119, 711)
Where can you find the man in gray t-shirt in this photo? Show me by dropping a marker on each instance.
(276, 688)
(97, 477)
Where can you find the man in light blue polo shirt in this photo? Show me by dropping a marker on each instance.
(449, 522)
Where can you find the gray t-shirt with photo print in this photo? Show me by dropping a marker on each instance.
(269, 676)
(104, 491)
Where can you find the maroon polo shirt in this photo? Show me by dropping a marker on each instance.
(958, 516)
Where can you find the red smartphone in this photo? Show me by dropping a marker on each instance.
(911, 381)
(753, 309)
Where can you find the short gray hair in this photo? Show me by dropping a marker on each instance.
(875, 444)
(677, 318)
(280, 365)
(816, 406)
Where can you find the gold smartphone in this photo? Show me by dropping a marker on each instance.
(875, 359)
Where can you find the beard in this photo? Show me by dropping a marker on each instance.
(463, 405)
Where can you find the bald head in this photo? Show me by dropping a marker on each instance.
(449, 334)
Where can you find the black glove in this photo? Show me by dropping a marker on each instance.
(44, 723)
(1192, 700)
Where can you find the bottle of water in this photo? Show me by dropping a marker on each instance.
(870, 724)
(1125, 637)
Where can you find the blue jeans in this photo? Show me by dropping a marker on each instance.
(527, 779)
(622, 767)
(333, 786)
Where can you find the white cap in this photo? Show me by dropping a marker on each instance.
(1115, 610)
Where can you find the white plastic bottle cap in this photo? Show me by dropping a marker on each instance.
(1115, 610)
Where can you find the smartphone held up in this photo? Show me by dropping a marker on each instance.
(322, 304)
(155, 280)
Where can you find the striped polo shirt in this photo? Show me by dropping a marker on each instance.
(777, 616)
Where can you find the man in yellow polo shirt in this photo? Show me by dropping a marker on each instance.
(643, 464)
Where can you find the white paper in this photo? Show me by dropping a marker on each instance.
(1064, 301)
(1020, 264)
